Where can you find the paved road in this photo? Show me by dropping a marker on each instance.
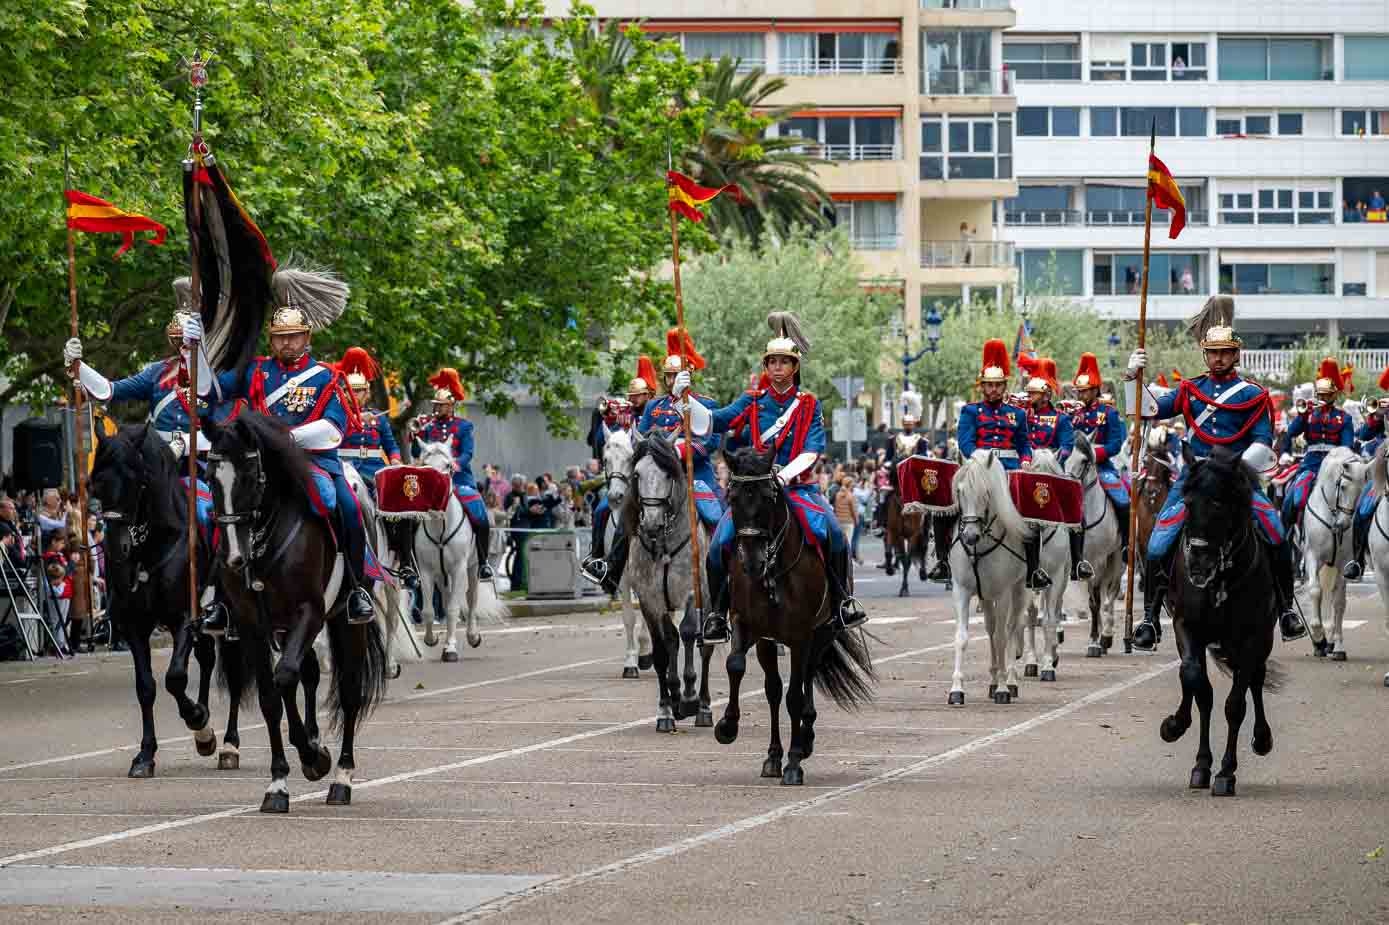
(527, 783)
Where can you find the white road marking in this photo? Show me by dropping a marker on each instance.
(46, 677)
(562, 884)
(186, 821)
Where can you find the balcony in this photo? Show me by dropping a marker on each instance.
(1052, 218)
(952, 81)
(865, 152)
(1127, 217)
(964, 254)
(827, 67)
(988, 14)
(876, 242)
(1042, 218)
(966, 4)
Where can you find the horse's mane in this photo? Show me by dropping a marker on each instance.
(138, 454)
(978, 477)
(1380, 469)
(1335, 464)
(1222, 475)
(281, 457)
(662, 453)
(1044, 460)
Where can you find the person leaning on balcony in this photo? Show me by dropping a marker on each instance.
(967, 236)
(1377, 201)
(1349, 215)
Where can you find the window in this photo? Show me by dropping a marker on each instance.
(1114, 204)
(1043, 60)
(1107, 70)
(1191, 123)
(843, 138)
(1104, 121)
(839, 53)
(1241, 122)
(1258, 125)
(872, 224)
(1237, 208)
(1148, 61)
(1168, 273)
(958, 62)
(967, 147)
(1314, 207)
(1277, 278)
(1033, 122)
(1040, 205)
(1276, 205)
(1290, 123)
(1367, 57)
(1188, 60)
(1051, 272)
(1065, 121)
(1138, 121)
(1042, 121)
(1365, 122)
(1365, 199)
(1275, 59)
(749, 49)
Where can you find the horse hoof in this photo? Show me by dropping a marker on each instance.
(431, 641)
(339, 795)
(705, 719)
(1106, 642)
(771, 767)
(321, 766)
(450, 656)
(228, 761)
(644, 662)
(629, 672)
(1002, 697)
(725, 733)
(1321, 649)
(904, 593)
(474, 640)
(687, 709)
(665, 724)
(1029, 671)
(1013, 689)
(1093, 650)
(1171, 731)
(1386, 680)
(1223, 787)
(141, 769)
(993, 689)
(1262, 744)
(1060, 635)
(1338, 656)
(1128, 646)
(395, 675)
(1049, 675)
(275, 803)
(792, 777)
(1200, 778)
(206, 747)
(956, 699)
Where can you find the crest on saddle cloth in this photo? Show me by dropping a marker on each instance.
(1047, 500)
(412, 493)
(927, 482)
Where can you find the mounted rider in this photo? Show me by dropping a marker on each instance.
(1323, 427)
(443, 426)
(371, 446)
(905, 444)
(1372, 433)
(616, 414)
(1104, 426)
(1050, 428)
(785, 420)
(1220, 409)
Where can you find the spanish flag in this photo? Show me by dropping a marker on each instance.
(685, 194)
(1163, 190)
(88, 213)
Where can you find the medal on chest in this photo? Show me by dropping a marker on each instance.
(299, 399)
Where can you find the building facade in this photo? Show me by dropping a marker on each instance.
(1274, 118)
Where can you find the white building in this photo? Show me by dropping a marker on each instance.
(1272, 115)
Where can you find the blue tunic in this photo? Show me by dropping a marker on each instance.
(371, 446)
(1323, 428)
(1371, 433)
(458, 434)
(156, 384)
(1049, 428)
(995, 426)
(663, 415)
(1104, 426)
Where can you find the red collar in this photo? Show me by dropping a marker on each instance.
(781, 396)
(1045, 408)
(298, 366)
(1229, 377)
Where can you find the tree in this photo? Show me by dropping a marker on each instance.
(729, 294)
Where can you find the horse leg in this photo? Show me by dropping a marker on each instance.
(1095, 649)
(427, 608)
(726, 729)
(664, 662)
(629, 629)
(1338, 614)
(689, 638)
(1179, 721)
(229, 757)
(1262, 739)
(276, 799)
(904, 556)
(963, 601)
(195, 715)
(145, 687)
(1313, 586)
(356, 651)
(705, 718)
(309, 675)
(771, 674)
(793, 776)
(297, 652)
(452, 599)
(1205, 702)
(466, 577)
(1224, 783)
(999, 641)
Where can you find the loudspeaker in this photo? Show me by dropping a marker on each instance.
(38, 455)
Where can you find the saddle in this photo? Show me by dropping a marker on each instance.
(1047, 500)
(412, 493)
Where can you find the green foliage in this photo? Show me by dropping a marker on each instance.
(729, 294)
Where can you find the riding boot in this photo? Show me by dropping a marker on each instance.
(359, 604)
(483, 534)
(942, 529)
(1081, 569)
(1123, 515)
(217, 621)
(595, 548)
(1360, 544)
(844, 606)
(715, 628)
(1037, 578)
(1289, 622)
(1147, 634)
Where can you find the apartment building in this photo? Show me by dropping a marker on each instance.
(1274, 118)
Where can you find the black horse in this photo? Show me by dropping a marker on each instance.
(1223, 597)
(145, 505)
(779, 593)
(284, 579)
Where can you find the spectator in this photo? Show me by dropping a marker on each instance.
(864, 496)
(515, 495)
(1360, 208)
(595, 468)
(1178, 67)
(846, 509)
(1376, 201)
(1349, 214)
(967, 235)
(52, 515)
(1188, 282)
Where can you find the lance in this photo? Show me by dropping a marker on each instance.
(83, 600)
(1136, 433)
(197, 76)
(685, 422)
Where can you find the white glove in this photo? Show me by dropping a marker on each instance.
(72, 350)
(682, 383)
(192, 330)
(1137, 360)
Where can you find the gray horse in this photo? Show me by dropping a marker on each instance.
(659, 568)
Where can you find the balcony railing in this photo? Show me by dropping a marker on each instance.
(940, 254)
(820, 67)
(877, 152)
(1278, 364)
(966, 4)
(876, 242)
(1042, 217)
(1135, 217)
(952, 81)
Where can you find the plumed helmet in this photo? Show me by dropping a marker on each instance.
(359, 367)
(1043, 376)
(1088, 373)
(645, 381)
(911, 407)
(1384, 380)
(1214, 325)
(289, 320)
(1328, 380)
(448, 387)
(787, 338)
(995, 366)
(681, 353)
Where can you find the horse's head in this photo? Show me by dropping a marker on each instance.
(1044, 460)
(1082, 459)
(981, 493)
(1340, 482)
(753, 496)
(439, 457)
(659, 487)
(618, 449)
(120, 481)
(1219, 494)
(236, 473)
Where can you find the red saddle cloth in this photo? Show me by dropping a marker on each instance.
(1284, 474)
(930, 482)
(1043, 498)
(412, 492)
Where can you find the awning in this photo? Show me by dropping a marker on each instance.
(829, 112)
(864, 197)
(702, 25)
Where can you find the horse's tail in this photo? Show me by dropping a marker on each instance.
(227, 653)
(359, 669)
(489, 607)
(845, 671)
(1274, 675)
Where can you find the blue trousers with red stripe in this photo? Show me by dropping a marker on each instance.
(809, 506)
(1173, 517)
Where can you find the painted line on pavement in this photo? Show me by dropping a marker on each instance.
(186, 821)
(46, 677)
(562, 884)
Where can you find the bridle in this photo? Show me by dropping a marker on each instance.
(772, 542)
(1225, 559)
(1338, 526)
(262, 527)
(137, 530)
(1092, 467)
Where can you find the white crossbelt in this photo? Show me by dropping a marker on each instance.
(292, 382)
(359, 453)
(1220, 399)
(163, 403)
(780, 422)
(1321, 447)
(1006, 454)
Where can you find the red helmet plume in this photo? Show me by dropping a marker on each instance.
(646, 372)
(1328, 376)
(995, 366)
(1046, 368)
(357, 361)
(446, 380)
(1088, 373)
(673, 349)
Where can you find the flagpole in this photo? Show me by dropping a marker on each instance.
(685, 421)
(83, 599)
(1136, 434)
(197, 76)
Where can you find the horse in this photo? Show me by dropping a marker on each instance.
(1045, 606)
(659, 568)
(987, 562)
(144, 503)
(1379, 531)
(904, 539)
(1102, 545)
(447, 561)
(779, 592)
(618, 448)
(1223, 595)
(395, 628)
(1150, 491)
(1326, 543)
(284, 578)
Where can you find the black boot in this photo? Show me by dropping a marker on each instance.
(842, 602)
(483, 534)
(1081, 570)
(359, 604)
(1147, 634)
(715, 628)
(606, 571)
(1289, 622)
(1360, 543)
(1037, 578)
(1123, 514)
(216, 621)
(942, 529)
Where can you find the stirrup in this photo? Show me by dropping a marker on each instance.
(940, 572)
(715, 629)
(850, 614)
(484, 570)
(1039, 580)
(1145, 636)
(1352, 570)
(360, 609)
(595, 569)
(216, 621)
(1290, 625)
(1084, 571)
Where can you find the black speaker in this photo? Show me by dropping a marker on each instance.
(38, 455)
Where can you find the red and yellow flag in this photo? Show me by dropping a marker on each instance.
(1163, 190)
(685, 194)
(88, 213)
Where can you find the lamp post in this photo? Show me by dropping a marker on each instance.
(933, 321)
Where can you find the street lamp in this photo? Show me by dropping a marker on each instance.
(933, 324)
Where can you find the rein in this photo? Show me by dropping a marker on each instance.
(770, 577)
(665, 554)
(263, 527)
(1225, 560)
(975, 556)
(1336, 527)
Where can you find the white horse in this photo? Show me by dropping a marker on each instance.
(1044, 608)
(444, 555)
(1102, 546)
(617, 472)
(987, 562)
(1326, 543)
(1379, 531)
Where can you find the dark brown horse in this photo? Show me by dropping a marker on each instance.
(780, 594)
(904, 540)
(1151, 489)
(283, 579)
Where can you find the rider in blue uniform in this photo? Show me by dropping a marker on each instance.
(443, 427)
(1221, 409)
(310, 398)
(1372, 436)
(1049, 428)
(787, 420)
(371, 446)
(1104, 426)
(616, 414)
(1323, 427)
